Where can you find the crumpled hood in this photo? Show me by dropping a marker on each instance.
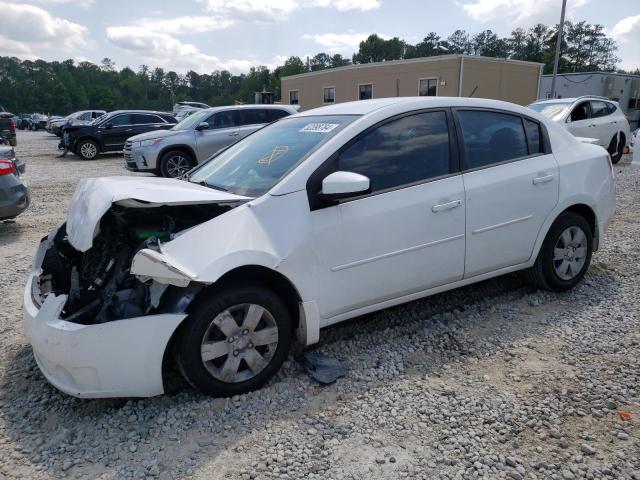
(154, 134)
(94, 196)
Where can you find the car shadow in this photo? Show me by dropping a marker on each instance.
(10, 231)
(190, 428)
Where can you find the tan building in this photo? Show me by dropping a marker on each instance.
(447, 75)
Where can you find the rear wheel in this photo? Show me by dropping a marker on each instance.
(565, 254)
(235, 340)
(175, 163)
(87, 149)
(616, 147)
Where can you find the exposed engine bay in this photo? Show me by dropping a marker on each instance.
(98, 283)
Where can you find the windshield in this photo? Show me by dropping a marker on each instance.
(254, 165)
(192, 120)
(550, 109)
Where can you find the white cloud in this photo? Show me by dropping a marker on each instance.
(188, 24)
(30, 25)
(520, 11)
(261, 11)
(166, 51)
(80, 3)
(627, 33)
(338, 42)
(627, 30)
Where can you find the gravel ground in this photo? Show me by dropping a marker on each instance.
(495, 380)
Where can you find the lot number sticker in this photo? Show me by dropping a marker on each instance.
(319, 127)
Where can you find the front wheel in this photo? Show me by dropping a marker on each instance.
(565, 254)
(235, 340)
(87, 149)
(175, 164)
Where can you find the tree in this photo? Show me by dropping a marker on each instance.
(107, 65)
(488, 44)
(376, 49)
(458, 42)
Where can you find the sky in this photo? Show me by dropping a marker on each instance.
(208, 35)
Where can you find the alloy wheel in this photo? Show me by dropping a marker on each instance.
(570, 253)
(239, 343)
(177, 166)
(88, 150)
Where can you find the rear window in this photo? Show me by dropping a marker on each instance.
(491, 137)
(253, 116)
(145, 119)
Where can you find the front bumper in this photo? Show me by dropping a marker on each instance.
(122, 358)
(140, 159)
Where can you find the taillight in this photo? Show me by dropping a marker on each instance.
(12, 126)
(7, 167)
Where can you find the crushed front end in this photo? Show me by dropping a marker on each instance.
(97, 329)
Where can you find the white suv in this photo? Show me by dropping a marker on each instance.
(590, 117)
(315, 219)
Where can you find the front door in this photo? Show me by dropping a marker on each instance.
(404, 237)
(116, 131)
(511, 186)
(223, 130)
(579, 121)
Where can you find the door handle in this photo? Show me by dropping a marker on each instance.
(234, 134)
(446, 206)
(592, 125)
(543, 179)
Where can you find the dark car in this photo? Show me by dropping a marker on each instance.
(14, 195)
(8, 128)
(36, 121)
(110, 132)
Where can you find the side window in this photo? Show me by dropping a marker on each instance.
(612, 108)
(145, 119)
(403, 151)
(491, 137)
(580, 112)
(226, 119)
(85, 116)
(276, 114)
(253, 116)
(533, 136)
(599, 109)
(120, 120)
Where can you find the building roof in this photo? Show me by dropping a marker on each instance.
(549, 75)
(391, 63)
(365, 107)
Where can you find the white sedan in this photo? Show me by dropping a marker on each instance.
(315, 219)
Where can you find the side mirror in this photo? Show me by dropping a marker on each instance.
(202, 126)
(344, 185)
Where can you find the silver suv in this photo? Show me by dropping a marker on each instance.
(172, 153)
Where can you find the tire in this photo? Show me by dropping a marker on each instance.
(175, 163)
(227, 371)
(616, 148)
(546, 273)
(87, 149)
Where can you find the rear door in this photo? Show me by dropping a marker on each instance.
(604, 124)
(223, 130)
(511, 186)
(146, 122)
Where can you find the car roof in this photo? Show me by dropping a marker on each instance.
(365, 107)
(141, 111)
(246, 106)
(575, 99)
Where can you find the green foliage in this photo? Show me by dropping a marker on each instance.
(63, 87)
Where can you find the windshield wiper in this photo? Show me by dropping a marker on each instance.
(210, 185)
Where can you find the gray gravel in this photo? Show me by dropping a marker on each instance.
(495, 380)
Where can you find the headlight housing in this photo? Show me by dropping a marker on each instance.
(147, 143)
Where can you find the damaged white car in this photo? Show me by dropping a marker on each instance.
(318, 218)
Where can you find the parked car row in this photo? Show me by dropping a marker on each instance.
(317, 218)
(83, 117)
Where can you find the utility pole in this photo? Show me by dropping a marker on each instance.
(558, 47)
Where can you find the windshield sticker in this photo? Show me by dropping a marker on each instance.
(274, 155)
(319, 127)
